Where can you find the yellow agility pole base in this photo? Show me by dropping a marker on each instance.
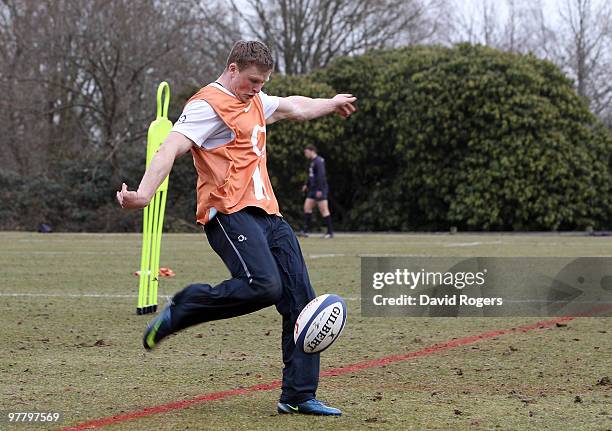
(153, 217)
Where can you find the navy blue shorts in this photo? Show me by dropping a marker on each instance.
(312, 194)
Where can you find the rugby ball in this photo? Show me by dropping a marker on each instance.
(320, 323)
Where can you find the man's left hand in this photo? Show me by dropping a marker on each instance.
(344, 104)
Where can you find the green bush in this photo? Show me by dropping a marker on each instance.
(465, 136)
(468, 136)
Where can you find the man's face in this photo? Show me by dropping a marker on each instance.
(246, 83)
(308, 153)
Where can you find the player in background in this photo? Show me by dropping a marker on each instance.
(316, 190)
(224, 127)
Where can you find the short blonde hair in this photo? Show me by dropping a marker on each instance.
(248, 52)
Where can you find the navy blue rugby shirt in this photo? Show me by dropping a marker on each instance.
(317, 180)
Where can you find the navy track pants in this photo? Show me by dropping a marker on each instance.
(265, 260)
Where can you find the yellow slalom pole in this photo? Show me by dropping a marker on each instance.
(152, 278)
(153, 218)
(144, 265)
(157, 244)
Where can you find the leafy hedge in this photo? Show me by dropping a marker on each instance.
(465, 136)
(468, 136)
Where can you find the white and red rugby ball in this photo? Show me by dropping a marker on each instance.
(320, 323)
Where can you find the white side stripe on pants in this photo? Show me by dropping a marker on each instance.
(237, 252)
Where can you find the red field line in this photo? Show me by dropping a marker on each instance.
(177, 405)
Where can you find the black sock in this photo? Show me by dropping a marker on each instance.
(307, 218)
(328, 224)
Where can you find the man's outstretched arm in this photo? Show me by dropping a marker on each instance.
(174, 146)
(304, 108)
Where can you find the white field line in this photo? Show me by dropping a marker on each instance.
(69, 295)
(167, 297)
(309, 256)
(322, 256)
(98, 295)
(55, 253)
(471, 244)
(393, 255)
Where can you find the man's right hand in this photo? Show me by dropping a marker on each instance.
(129, 199)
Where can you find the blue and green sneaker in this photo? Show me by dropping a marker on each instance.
(159, 328)
(310, 407)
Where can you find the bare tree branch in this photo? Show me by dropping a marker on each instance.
(308, 34)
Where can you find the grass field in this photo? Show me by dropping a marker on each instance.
(72, 344)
